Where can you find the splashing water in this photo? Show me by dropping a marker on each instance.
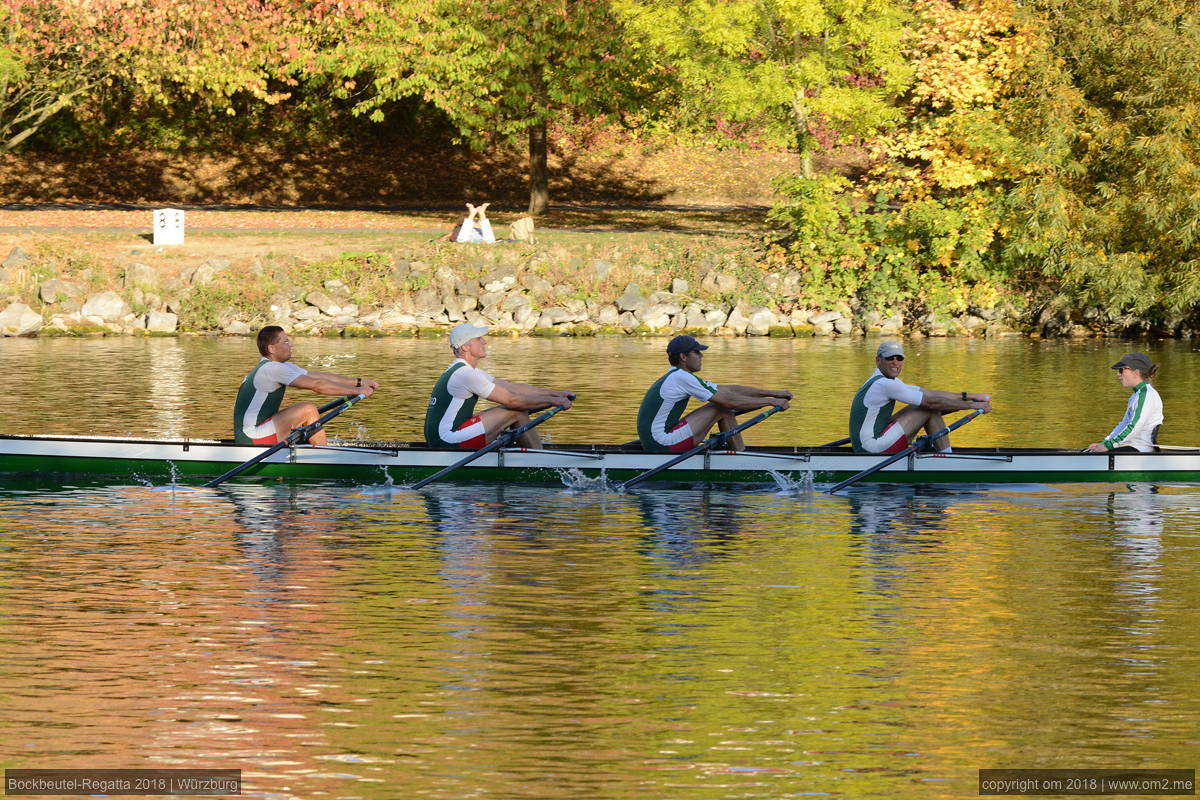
(786, 485)
(574, 480)
(386, 488)
(173, 485)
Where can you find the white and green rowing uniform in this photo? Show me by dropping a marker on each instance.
(450, 420)
(259, 398)
(1143, 415)
(872, 410)
(659, 422)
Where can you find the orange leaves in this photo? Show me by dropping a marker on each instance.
(964, 54)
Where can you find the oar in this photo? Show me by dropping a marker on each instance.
(912, 448)
(296, 436)
(716, 440)
(838, 443)
(333, 404)
(503, 439)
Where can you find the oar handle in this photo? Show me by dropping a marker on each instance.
(719, 438)
(301, 435)
(333, 404)
(958, 423)
(512, 434)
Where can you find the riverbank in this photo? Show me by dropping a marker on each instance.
(376, 273)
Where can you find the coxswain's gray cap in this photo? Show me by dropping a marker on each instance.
(1139, 361)
(465, 332)
(889, 349)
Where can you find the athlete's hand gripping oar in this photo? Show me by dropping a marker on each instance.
(297, 436)
(505, 438)
(912, 448)
(715, 440)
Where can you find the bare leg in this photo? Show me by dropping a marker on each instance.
(298, 416)
(934, 424)
(704, 417)
(499, 419)
(913, 418)
(727, 422)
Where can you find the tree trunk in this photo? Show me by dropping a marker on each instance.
(804, 139)
(539, 171)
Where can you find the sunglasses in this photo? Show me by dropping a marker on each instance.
(894, 358)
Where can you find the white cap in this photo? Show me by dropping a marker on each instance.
(889, 349)
(465, 332)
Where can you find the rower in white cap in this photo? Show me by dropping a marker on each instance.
(874, 428)
(451, 421)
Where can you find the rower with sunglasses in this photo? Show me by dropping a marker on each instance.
(874, 428)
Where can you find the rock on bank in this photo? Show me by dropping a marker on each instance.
(601, 285)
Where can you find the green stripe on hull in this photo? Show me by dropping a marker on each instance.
(150, 469)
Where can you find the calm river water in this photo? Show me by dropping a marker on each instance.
(340, 641)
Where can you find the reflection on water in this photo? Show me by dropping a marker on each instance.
(514, 642)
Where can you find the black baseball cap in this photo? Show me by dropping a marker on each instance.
(684, 344)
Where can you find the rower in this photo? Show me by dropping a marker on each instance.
(873, 426)
(660, 428)
(450, 421)
(1138, 429)
(256, 415)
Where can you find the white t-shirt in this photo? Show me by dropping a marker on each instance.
(468, 380)
(886, 390)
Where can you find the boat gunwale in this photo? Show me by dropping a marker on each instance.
(616, 449)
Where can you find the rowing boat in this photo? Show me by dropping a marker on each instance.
(407, 462)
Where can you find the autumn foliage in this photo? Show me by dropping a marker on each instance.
(1040, 155)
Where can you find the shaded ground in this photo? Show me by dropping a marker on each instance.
(339, 199)
(397, 177)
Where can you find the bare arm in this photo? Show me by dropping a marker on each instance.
(523, 397)
(332, 383)
(732, 396)
(953, 401)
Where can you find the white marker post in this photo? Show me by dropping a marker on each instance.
(168, 226)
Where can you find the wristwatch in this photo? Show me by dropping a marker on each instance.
(964, 394)
(358, 385)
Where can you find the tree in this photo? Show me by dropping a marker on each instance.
(807, 65)
(920, 229)
(55, 52)
(1105, 211)
(500, 71)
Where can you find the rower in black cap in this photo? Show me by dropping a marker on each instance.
(662, 427)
